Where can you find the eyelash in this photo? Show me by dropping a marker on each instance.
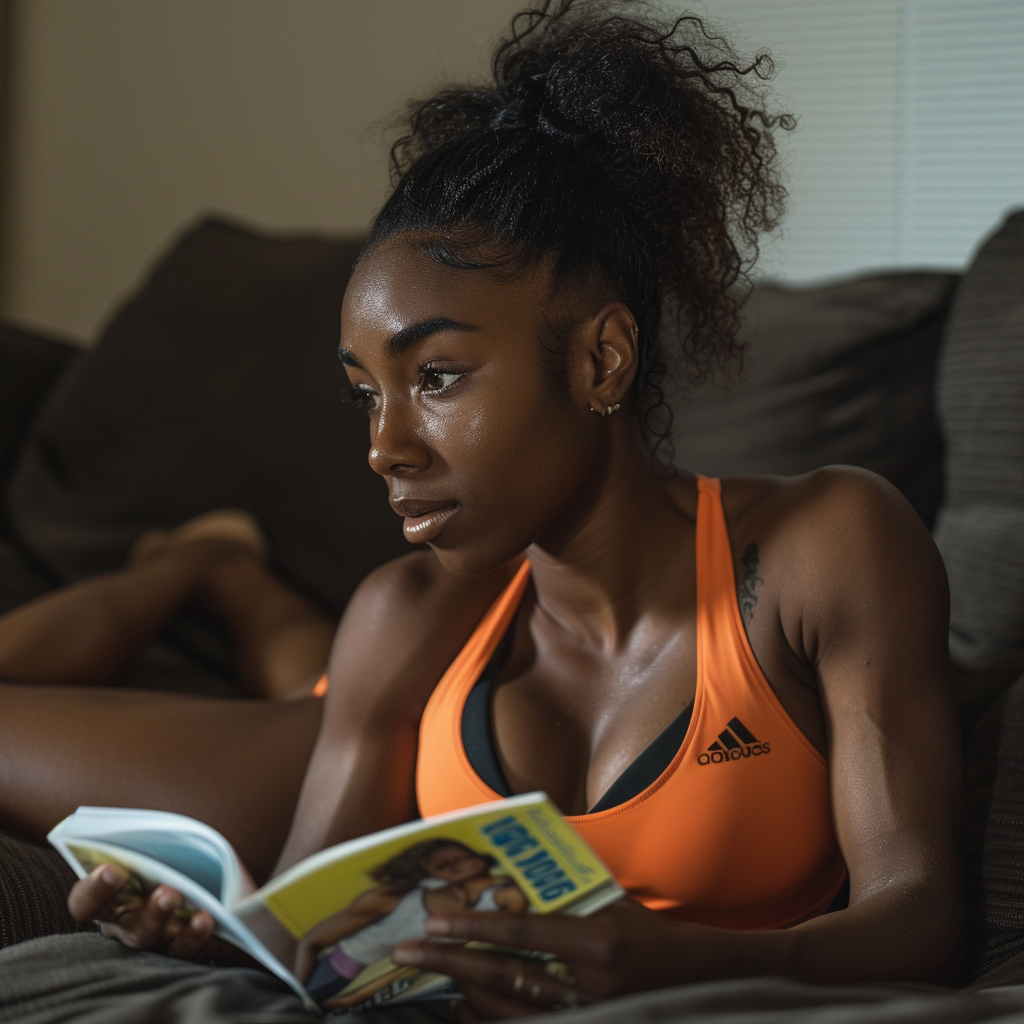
(363, 397)
(433, 371)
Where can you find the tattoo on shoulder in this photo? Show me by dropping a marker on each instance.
(746, 589)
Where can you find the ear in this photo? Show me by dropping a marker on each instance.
(610, 356)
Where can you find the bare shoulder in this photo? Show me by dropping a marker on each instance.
(849, 554)
(834, 510)
(403, 625)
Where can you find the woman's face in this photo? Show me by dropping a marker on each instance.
(455, 864)
(480, 453)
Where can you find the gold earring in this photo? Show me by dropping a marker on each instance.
(609, 409)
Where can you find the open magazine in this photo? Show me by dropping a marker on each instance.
(327, 925)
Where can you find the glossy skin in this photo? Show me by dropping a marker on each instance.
(846, 611)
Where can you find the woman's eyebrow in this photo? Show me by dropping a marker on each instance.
(407, 336)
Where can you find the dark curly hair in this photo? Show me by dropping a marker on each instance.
(612, 143)
(407, 869)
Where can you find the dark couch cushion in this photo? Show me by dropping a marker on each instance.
(217, 385)
(29, 366)
(994, 834)
(842, 373)
(34, 885)
(980, 531)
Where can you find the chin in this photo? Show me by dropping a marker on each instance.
(476, 559)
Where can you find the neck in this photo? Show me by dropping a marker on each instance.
(616, 554)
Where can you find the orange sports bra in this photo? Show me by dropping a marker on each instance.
(737, 831)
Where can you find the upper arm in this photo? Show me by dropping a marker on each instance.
(402, 628)
(868, 610)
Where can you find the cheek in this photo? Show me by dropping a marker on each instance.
(506, 450)
(514, 465)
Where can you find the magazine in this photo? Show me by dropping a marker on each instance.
(327, 926)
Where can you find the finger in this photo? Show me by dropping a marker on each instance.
(147, 927)
(90, 897)
(189, 941)
(509, 976)
(546, 934)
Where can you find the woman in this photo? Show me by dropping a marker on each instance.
(431, 877)
(735, 690)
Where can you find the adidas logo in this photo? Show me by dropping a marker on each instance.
(734, 741)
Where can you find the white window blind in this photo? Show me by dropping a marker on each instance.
(910, 145)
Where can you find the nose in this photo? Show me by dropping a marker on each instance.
(395, 447)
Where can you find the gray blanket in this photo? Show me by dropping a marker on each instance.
(92, 980)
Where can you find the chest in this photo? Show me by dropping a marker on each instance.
(570, 719)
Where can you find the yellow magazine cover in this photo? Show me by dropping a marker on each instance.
(335, 920)
(327, 926)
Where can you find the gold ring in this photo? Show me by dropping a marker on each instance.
(517, 985)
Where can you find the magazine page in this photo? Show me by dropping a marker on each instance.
(145, 874)
(189, 846)
(335, 918)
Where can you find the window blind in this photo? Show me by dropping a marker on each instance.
(910, 143)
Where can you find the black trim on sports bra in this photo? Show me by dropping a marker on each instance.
(481, 750)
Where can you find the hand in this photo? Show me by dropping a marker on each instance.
(624, 948)
(140, 922)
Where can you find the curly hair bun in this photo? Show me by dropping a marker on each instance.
(617, 143)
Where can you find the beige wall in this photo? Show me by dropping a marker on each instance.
(131, 117)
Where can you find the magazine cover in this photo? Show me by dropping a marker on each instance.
(337, 922)
(327, 926)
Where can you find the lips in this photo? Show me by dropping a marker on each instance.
(424, 518)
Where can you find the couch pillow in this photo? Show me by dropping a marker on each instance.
(980, 530)
(840, 373)
(217, 384)
(30, 364)
(994, 835)
(34, 886)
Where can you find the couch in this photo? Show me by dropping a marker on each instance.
(216, 384)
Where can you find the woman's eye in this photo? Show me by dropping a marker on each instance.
(438, 380)
(363, 397)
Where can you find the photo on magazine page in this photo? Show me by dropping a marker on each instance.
(345, 959)
(335, 923)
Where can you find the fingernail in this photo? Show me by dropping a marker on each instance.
(407, 956)
(166, 900)
(111, 874)
(437, 926)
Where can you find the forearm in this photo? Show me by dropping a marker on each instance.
(912, 935)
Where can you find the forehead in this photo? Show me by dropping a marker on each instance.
(396, 285)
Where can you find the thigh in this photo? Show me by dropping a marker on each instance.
(237, 765)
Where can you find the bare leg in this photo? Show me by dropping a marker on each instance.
(236, 765)
(87, 633)
(282, 640)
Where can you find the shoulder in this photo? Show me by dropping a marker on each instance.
(380, 900)
(827, 512)
(402, 627)
(847, 551)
